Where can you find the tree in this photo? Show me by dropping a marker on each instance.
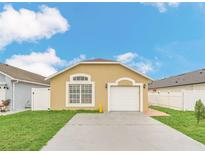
(199, 110)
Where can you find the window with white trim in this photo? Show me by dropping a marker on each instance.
(80, 90)
(80, 78)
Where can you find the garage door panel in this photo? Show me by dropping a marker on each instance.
(124, 98)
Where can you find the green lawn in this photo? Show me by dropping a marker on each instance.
(183, 121)
(31, 130)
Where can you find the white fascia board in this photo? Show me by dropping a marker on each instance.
(57, 73)
(51, 76)
(7, 75)
(37, 83)
(14, 79)
(137, 72)
(100, 62)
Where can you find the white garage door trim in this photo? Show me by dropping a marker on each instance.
(116, 83)
(124, 98)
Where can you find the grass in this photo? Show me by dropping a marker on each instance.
(183, 121)
(31, 130)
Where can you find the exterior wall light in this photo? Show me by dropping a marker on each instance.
(6, 87)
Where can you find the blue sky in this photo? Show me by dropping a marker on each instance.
(160, 39)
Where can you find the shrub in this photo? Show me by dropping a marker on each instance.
(199, 110)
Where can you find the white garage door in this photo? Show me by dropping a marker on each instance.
(124, 99)
(40, 98)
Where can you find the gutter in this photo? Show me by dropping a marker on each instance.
(31, 82)
(13, 94)
(26, 81)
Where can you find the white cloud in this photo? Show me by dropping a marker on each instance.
(27, 25)
(126, 57)
(173, 4)
(76, 60)
(139, 63)
(163, 6)
(144, 67)
(43, 63)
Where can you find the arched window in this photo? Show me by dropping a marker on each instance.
(80, 77)
(80, 90)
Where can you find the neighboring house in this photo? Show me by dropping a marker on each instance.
(89, 83)
(16, 84)
(188, 81)
(179, 91)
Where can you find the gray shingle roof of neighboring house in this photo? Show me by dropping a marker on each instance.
(189, 78)
(22, 75)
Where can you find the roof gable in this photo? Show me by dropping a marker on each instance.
(98, 61)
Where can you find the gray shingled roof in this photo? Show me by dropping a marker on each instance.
(194, 77)
(20, 74)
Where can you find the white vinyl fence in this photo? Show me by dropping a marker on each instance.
(184, 100)
(40, 98)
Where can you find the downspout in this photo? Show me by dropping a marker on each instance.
(13, 94)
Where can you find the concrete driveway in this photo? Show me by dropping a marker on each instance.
(119, 131)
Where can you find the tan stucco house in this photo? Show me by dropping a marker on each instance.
(91, 83)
